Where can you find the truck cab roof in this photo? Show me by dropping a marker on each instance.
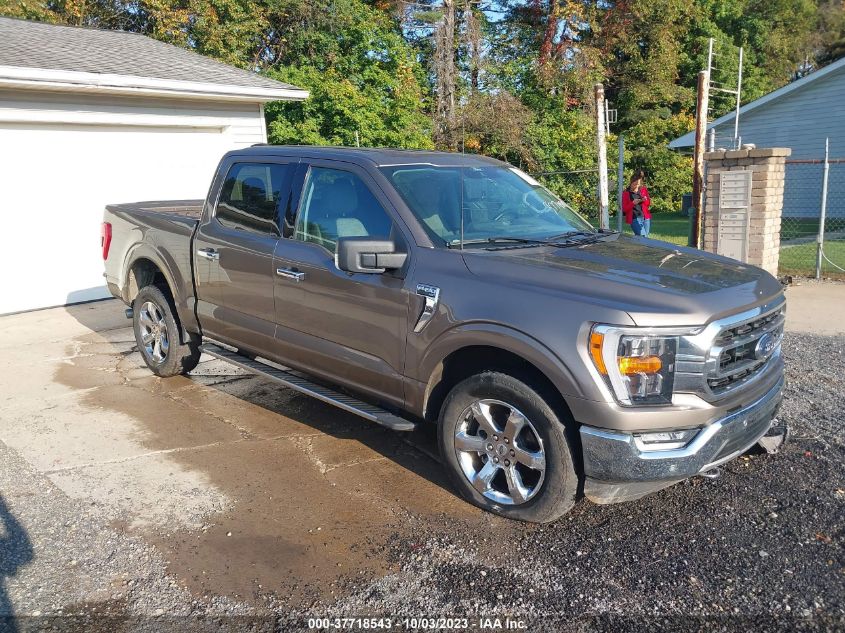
(378, 156)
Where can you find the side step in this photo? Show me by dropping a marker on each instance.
(303, 385)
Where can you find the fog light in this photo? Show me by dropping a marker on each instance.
(664, 440)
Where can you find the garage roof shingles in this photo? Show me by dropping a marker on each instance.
(70, 48)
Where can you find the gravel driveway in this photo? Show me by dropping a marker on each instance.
(222, 503)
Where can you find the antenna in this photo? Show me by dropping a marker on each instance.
(610, 115)
(722, 87)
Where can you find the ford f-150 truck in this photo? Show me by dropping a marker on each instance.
(411, 287)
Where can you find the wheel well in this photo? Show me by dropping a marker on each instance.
(145, 273)
(468, 361)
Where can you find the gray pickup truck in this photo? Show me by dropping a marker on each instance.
(411, 287)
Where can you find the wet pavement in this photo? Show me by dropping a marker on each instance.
(222, 494)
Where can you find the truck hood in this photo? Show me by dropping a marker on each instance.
(656, 283)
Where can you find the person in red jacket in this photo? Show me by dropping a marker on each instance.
(635, 203)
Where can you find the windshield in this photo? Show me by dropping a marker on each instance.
(497, 203)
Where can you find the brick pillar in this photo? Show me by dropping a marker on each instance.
(767, 167)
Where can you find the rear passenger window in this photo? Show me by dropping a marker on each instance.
(250, 197)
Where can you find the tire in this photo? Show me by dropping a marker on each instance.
(473, 432)
(158, 337)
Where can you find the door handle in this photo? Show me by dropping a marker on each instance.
(287, 273)
(209, 253)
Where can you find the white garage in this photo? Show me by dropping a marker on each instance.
(90, 117)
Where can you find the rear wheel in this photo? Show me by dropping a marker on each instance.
(158, 337)
(506, 448)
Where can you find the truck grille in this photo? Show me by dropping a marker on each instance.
(742, 350)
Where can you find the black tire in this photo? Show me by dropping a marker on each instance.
(175, 357)
(556, 488)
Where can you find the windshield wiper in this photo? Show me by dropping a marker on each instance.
(578, 238)
(497, 240)
(571, 234)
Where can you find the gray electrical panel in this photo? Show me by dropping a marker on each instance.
(734, 207)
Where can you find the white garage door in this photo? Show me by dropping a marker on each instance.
(55, 181)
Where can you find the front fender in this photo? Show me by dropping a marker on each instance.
(501, 337)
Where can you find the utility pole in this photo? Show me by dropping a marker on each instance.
(737, 139)
(698, 155)
(620, 182)
(601, 139)
(823, 212)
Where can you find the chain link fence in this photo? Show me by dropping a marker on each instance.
(801, 221)
(579, 188)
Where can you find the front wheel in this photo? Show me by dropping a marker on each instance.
(506, 449)
(158, 337)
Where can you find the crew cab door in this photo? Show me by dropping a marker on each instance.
(347, 327)
(233, 252)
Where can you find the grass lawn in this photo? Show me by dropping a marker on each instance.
(801, 259)
(669, 227)
(794, 260)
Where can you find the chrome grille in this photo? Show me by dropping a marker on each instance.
(740, 350)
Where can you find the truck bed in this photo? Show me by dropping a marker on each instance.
(160, 231)
(187, 212)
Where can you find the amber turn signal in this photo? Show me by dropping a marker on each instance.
(596, 341)
(632, 365)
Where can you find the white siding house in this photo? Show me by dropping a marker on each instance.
(800, 116)
(91, 117)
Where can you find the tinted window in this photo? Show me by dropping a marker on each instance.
(250, 196)
(335, 204)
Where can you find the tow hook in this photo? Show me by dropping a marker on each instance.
(129, 313)
(713, 473)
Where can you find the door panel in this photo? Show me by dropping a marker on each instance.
(233, 255)
(350, 328)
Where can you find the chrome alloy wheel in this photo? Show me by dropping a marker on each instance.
(500, 452)
(153, 331)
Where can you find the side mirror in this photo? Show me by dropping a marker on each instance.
(368, 255)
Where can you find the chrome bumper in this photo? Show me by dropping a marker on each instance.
(613, 457)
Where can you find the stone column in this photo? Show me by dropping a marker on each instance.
(767, 167)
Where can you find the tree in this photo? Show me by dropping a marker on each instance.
(445, 80)
(363, 78)
(508, 78)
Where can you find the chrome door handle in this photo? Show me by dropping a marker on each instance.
(209, 253)
(288, 273)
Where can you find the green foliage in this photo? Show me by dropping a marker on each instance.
(525, 69)
(564, 140)
(668, 173)
(383, 110)
(363, 78)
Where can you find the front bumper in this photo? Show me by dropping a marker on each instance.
(612, 458)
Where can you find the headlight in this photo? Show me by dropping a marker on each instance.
(638, 366)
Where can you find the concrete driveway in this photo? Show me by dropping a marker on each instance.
(127, 496)
(240, 488)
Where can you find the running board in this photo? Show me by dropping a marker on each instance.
(303, 385)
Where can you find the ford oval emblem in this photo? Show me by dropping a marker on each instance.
(765, 346)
